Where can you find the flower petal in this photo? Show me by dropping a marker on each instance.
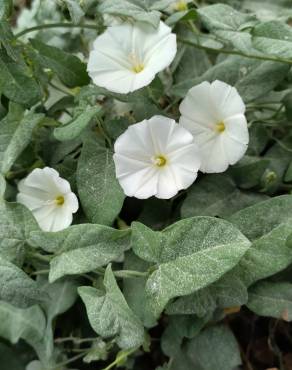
(236, 128)
(226, 100)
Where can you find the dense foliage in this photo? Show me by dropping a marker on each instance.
(198, 282)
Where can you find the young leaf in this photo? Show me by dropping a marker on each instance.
(100, 193)
(73, 129)
(69, 68)
(110, 315)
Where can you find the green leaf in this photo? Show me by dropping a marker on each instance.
(27, 324)
(267, 224)
(17, 83)
(110, 315)
(247, 173)
(81, 248)
(61, 296)
(100, 193)
(222, 294)
(13, 144)
(16, 287)
(6, 7)
(16, 222)
(252, 78)
(7, 40)
(73, 129)
(272, 299)
(217, 195)
(224, 17)
(273, 37)
(214, 348)
(69, 68)
(75, 10)
(262, 218)
(192, 254)
(129, 8)
(134, 290)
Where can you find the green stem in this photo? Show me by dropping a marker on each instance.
(130, 274)
(41, 257)
(120, 358)
(72, 359)
(235, 52)
(56, 25)
(123, 273)
(75, 340)
(40, 272)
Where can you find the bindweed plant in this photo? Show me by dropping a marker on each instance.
(145, 185)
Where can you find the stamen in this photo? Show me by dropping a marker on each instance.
(60, 200)
(137, 65)
(138, 68)
(220, 127)
(159, 161)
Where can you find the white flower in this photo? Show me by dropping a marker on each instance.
(156, 157)
(214, 114)
(127, 57)
(49, 197)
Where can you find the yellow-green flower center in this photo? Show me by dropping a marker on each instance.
(137, 65)
(160, 161)
(60, 200)
(137, 68)
(220, 127)
(181, 6)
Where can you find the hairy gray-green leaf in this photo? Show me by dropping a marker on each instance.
(191, 254)
(223, 293)
(74, 128)
(224, 17)
(217, 195)
(16, 287)
(6, 7)
(28, 324)
(252, 78)
(61, 296)
(13, 144)
(229, 25)
(7, 40)
(273, 299)
(110, 315)
(273, 37)
(214, 348)
(268, 224)
(134, 290)
(129, 8)
(75, 10)
(100, 193)
(16, 222)
(69, 68)
(16, 82)
(81, 248)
